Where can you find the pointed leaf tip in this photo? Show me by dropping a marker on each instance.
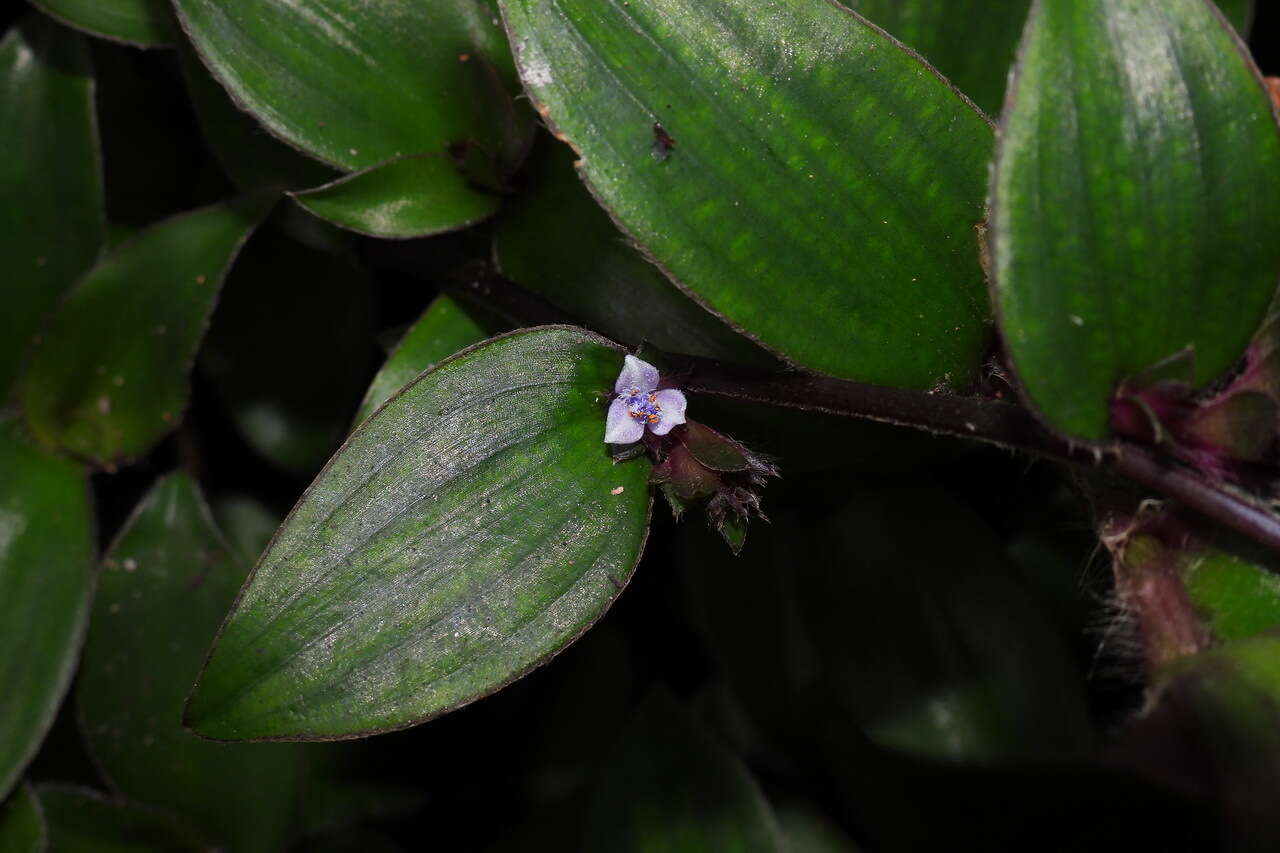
(468, 531)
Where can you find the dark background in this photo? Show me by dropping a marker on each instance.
(482, 770)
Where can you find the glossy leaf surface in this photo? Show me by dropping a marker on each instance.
(147, 23)
(250, 156)
(554, 239)
(84, 821)
(165, 586)
(51, 220)
(726, 137)
(290, 348)
(446, 327)
(356, 89)
(972, 42)
(670, 786)
(470, 530)
(110, 375)
(1134, 195)
(22, 827)
(414, 196)
(46, 558)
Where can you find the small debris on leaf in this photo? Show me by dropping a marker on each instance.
(663, 143)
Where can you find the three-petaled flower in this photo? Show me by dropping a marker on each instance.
(640, 404)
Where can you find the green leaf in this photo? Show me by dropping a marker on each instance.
(1239, 597)
(145, 23)
(468, 531)
(446, 327)
(820, 191)
(46, 559)
(972, 42)
(165, 586)
(22, 828)
(1239, 13)
(554, 239)
(110, 375)
(671, 787)
(1134, 199)
(252, 158)
(154, 162)
(81, 820)
(247, 523)
(414, 196)
(355, 88)
(51, 220)
(290, 349)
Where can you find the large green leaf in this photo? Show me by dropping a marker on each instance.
(970, 41)
(472, 528)
(165, 586)
(46, 558)
(356, 87)
(51, 224)
(251, 157)
(671, 787)
(414, 196)
(554, 239)
(290, 348)
(1134, 199)
(22, 828)
(84, 821)
(110, 375)
(973, 42)
(446, 327)
(788, 164)
(147, 23)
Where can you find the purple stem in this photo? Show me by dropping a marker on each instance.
(982, 419)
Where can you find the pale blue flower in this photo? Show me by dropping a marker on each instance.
(640, 404)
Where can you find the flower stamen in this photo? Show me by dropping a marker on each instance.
(639, 406)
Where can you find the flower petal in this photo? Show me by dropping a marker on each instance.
(673, 405)
(621, 428)
(637, 374)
